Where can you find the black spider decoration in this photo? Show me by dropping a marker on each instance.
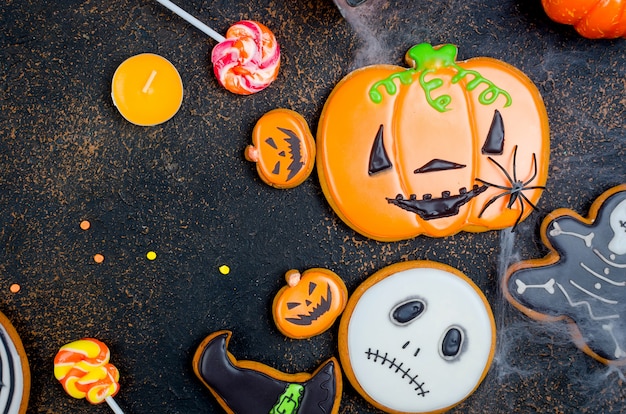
(515, 191)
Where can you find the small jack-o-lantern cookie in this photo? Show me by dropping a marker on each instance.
(252, 387)
(417, 337)
(310, 302)
(437, 148)
(282, 148)
(15, 385)
(583, 278)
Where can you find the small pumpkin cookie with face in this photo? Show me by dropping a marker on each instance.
(417, 337)
(310, 302)
(282, 148)
(438, 148)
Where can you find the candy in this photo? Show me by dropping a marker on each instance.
(248, 60)
(84, 370)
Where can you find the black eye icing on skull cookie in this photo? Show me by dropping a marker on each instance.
(583, 279)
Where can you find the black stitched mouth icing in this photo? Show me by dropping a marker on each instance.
(429, 208)
(377, 357)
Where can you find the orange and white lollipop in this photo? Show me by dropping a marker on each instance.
(246, 60)
(83, 368)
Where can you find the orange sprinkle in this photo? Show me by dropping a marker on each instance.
(15, 288)
(85, 225)
(98, 258)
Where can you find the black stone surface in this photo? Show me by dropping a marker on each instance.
(184, 190)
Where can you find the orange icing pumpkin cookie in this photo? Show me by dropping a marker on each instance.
(15, 385)
(282, 148)
(581, 280)
(310, 302)
(252, 387)
(436, 148)
(417, 337)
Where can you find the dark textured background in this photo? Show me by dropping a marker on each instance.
(184, 190)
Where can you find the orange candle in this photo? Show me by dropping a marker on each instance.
(147, 89)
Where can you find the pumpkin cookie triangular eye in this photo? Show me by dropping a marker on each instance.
(291, 305)
(312, 287)
(270, 141)
(494, 144)
(379, 160)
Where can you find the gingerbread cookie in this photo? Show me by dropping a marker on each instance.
(581, 280)
(282, 148)
(252, 387)
(437, 148)
(310, 302)
(417, 337)
(14, 371)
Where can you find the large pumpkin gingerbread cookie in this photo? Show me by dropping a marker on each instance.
(437, 148)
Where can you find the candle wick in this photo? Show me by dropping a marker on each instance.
(149, 82)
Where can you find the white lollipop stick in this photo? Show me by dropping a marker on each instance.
(192, 20)
(113, 405)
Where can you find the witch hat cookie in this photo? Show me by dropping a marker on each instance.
(247, 386)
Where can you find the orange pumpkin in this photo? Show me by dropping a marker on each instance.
(593, 19)
(440, 147)
(310, 302)
(283, 148)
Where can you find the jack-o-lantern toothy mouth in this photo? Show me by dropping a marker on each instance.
(397, 367)
(318, 310)
(429, 208)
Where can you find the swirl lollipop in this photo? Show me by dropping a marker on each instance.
(246, 60)
(83, 368)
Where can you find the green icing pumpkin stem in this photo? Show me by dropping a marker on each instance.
(424, 60)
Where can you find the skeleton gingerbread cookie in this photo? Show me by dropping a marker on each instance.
(417, 337)
(434, 149)
(583, 278)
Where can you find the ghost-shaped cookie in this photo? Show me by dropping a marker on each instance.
(583, 279)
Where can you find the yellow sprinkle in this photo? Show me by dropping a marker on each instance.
(224, 269)
(151, 255)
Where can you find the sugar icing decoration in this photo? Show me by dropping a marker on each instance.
(417, 337)
(426, 60)
(310, 302)
(583, 279)
(282, 148)
(438, 148)
(248, 386)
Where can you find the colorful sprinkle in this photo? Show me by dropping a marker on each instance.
(85, 225)
(151, 255)
(15, 288)
(98, 258)
(224, 269)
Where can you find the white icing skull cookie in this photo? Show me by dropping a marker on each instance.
(417, 337)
